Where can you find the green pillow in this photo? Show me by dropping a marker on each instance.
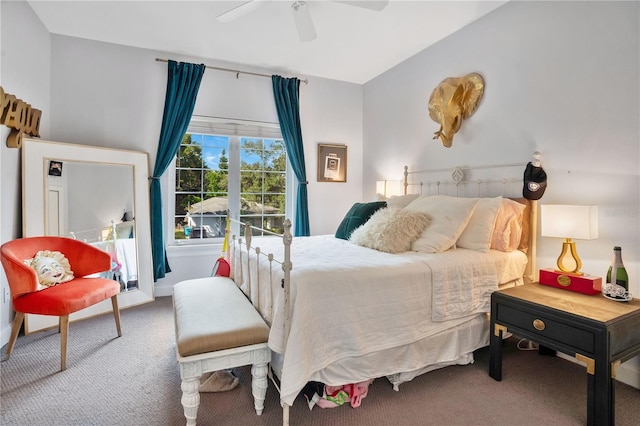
(357, 216)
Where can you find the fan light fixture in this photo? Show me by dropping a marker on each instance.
(300, 11)
(303, 21)
(580, 222)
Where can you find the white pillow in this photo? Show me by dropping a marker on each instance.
(449, 216)
(477, 234)
(391, 230)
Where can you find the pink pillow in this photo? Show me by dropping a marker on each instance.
(507, 230)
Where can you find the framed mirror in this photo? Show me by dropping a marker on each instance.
(97, 195)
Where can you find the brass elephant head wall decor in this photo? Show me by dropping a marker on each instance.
(453, 100)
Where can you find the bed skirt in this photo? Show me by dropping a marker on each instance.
(450, 347)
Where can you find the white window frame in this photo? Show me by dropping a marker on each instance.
(217, 125)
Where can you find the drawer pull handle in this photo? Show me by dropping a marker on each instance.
(538, 324)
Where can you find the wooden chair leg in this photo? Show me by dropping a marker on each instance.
(64, 334)
(17, 323)
(116, 314)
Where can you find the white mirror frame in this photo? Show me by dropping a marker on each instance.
(36, 154)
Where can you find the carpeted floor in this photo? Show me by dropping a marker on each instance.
(134, 380)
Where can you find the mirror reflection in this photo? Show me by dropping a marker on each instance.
(94, 202)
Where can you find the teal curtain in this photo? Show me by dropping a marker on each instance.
(286, 93)
(183, 82)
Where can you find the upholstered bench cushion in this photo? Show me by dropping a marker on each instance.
(213, 314)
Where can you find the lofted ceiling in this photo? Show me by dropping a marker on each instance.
(353, 44)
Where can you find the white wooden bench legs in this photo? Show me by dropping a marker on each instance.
(193, 367)
(259, 384)
(190, 399)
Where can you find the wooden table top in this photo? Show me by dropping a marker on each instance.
(595, 307)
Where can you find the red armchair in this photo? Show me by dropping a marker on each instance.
(63, 299)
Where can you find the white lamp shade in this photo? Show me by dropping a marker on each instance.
(562, 221)
(389, 188)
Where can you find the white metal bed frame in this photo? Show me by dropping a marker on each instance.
(457, 178)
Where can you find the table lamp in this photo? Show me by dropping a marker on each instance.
(569, 222)
(389, 188)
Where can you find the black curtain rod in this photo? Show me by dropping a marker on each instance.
(237, 72)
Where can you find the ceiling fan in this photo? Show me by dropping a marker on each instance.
(300, 11)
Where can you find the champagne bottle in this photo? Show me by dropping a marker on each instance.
(617, 285)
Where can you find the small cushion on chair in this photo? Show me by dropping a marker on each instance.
(52, 268)
(61, 300)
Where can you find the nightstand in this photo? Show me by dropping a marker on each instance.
(598, 332)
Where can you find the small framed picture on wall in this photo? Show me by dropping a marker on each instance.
(55, 168)
(332, 163)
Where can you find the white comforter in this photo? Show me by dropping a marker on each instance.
(348, 301)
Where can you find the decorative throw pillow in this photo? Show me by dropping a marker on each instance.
(52, 268)
(449, 217)
(357, 216)
(508, 227)
(477, 234)
(391, 230)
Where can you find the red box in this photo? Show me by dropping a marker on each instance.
(586, 284)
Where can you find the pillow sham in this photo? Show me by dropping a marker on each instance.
(449, 217)
(357, 216)
(52, 268)
(508, 227)
(478, 232)
(391, 230)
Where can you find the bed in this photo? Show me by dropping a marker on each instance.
(345, 311)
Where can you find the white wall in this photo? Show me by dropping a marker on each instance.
(25, 73)
(561, 78)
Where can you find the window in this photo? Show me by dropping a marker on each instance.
(229, 165)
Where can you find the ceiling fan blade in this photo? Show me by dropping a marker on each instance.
(303, 21)
(376, 5)
(241, 10)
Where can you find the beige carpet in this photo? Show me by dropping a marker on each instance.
(134, 380)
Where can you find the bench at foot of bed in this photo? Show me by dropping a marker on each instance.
(217, 328)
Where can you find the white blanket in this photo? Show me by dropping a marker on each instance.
(348, 301)
(463, 281)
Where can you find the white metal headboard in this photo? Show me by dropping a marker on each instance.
(459, 181)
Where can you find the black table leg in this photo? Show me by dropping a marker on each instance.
(600, 395)
(495, 351)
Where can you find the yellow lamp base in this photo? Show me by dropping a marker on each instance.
(569, 262)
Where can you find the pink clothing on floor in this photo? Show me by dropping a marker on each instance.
(335, 396)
